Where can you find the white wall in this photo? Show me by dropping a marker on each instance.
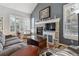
(5, 13)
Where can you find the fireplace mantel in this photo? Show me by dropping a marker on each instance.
(48, 21)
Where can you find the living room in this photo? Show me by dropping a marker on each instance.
(39, 29)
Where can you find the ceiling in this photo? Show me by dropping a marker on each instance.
(23, 7)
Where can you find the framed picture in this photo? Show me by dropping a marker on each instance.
(45, 13)
(1, 23)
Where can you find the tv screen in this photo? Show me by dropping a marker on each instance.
(50, 26)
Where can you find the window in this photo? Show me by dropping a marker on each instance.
(1, 23)
(70, 21)
(33, 26)
(19, 24)
(12, 23)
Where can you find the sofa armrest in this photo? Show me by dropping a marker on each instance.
(7, 52)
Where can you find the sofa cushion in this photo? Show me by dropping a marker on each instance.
(12, 38)
(11, 42)
(1, 47)
(9, 51)
(2, 38)
(16, 45)
(9, 36)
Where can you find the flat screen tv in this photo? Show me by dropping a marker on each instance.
(50, 27)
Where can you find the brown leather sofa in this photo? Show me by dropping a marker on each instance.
(30, 50)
